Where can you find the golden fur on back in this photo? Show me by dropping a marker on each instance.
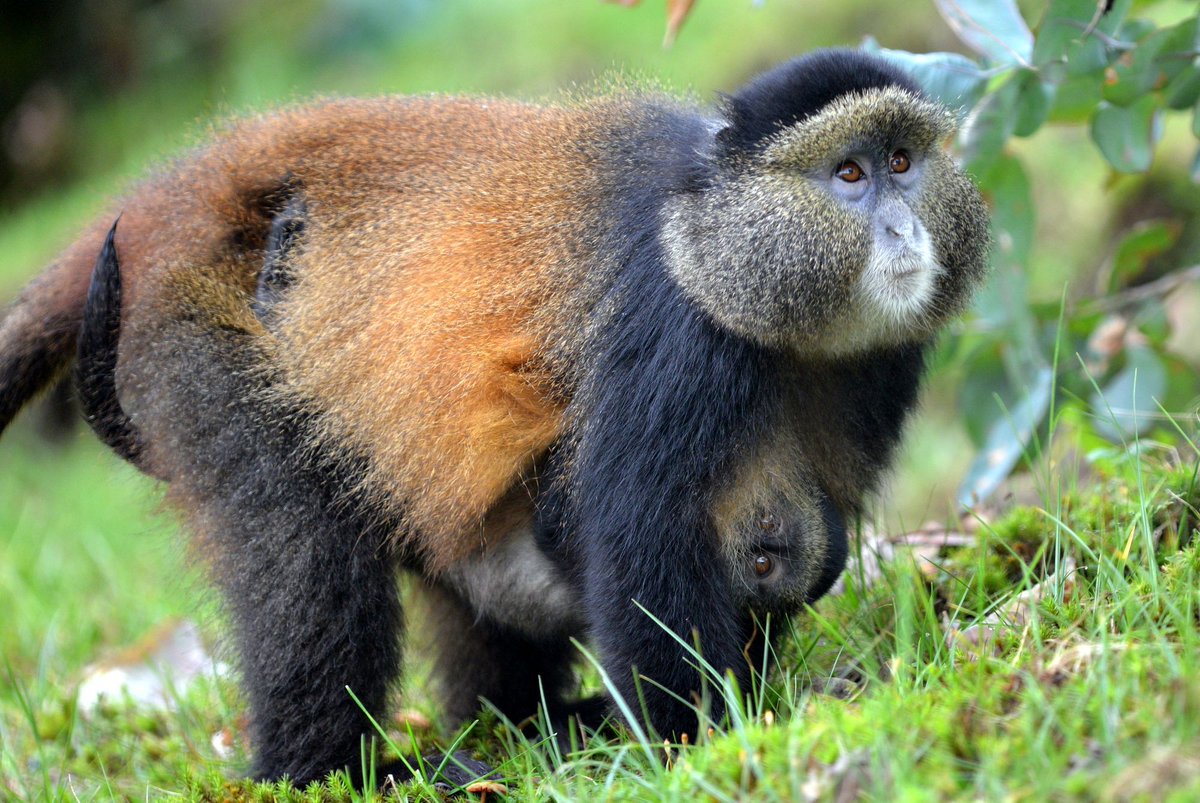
(413, 326)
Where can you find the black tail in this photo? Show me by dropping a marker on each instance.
(96, 358)
(37, 338)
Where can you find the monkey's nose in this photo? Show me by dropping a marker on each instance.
(896, 220)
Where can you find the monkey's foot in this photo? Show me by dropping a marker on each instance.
(575, 722)
(456, 773)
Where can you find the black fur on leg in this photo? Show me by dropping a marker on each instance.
(307, 574)
(478, 659)
(673, 400)
(667, 403)
(572, 723)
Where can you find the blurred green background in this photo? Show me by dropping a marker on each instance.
(93, 93)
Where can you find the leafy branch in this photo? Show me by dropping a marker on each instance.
(1086, 62)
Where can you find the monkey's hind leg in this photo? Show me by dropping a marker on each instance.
(306, 572)
(481, 661)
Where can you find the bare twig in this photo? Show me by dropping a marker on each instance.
(1090, 30)
(1143, 292)
(1101, 8)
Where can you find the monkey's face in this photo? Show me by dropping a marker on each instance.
(850, 230)
(782, 538)
(784, 557)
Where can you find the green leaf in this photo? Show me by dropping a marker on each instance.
(993, 28)
(1034, 97)
(1184, 89)
(1128, 405)
(1147, 240)
(1006, 440)
(1181, 382)
(951, 78)
(1126, 135)
(1152, 321)
(1009, 191)
(1130, 77)
(1002, 303)
(1178, 46)
(989, 127)
(1152, 64)
(1059, 35)
(977, 393)
(1076, 99)
(1135, 29)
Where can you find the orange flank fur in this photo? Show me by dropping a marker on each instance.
(428, 283)
(419, 324)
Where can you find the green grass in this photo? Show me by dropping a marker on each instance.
(943, 677)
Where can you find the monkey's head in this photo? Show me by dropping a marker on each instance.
(832, 221)
(781, 537)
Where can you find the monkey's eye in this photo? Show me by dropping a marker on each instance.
(849, 172)
(763, 565)
(900, 162)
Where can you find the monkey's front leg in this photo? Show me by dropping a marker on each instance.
(668, 402)
(479, 659)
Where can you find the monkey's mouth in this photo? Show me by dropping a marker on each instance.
(899, 284)
(907, 279)
(905, 295)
